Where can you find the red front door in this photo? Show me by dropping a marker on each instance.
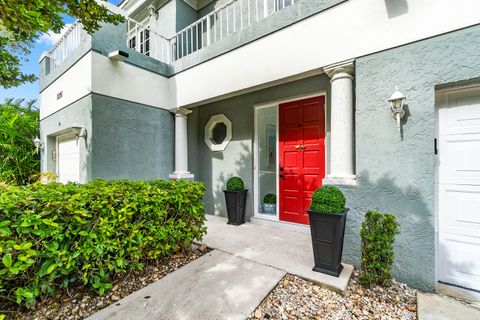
(302, 156)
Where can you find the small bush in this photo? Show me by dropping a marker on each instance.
(270, 198)
(328, 199)
(54, 235)
(378, 233)
(235, 184)
(19, 125)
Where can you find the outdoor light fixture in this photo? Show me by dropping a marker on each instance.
(396, 100)
(38, 143)
(79, 131)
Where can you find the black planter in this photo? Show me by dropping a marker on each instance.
(327, 231)
(236, 206)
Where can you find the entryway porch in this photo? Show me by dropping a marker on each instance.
(279, 245)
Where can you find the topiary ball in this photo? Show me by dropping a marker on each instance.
(270, 198)
(235, 184)
(328, 199)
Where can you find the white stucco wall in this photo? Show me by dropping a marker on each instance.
(98, 74)
(74, 84)
(349, 30)
(125, 81)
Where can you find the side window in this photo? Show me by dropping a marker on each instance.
(145, 42)
(132, 42)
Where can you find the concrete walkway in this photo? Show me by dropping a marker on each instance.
(229, 282)
(439, 307)
(215, 286)
(281, 248)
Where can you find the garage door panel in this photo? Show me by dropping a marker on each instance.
(460, 210)
(460, 265)
(463, 113)
(458, 187)
(460, 159)
(68, 159)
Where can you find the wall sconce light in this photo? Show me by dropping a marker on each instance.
(38, 143)
(396, 101)
(153, 12)
(79, 131)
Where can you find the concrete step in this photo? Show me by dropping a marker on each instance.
(439, 307)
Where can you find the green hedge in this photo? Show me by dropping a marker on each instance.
(53, 235)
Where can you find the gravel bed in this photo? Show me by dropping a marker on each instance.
(297, 298)
(79, 303)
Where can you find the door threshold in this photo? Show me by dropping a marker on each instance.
(468, 295)
(289, 226)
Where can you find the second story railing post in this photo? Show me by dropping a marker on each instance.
(209, 40)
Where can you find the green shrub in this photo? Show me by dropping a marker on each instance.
(328, 199)
(378, 234)
(19, 125)
(55, 235)
(270, 198)
(235, 184)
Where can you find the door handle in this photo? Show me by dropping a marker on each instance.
(281, 175)
(299, 146)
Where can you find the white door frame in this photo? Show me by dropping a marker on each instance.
(276, 103)
(441, 100)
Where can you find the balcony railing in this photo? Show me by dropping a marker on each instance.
(220, 23)
(66, 45)
(232, 17)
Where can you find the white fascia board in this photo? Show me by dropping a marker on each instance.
(349, 30)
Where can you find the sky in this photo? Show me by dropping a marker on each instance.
(30, 90)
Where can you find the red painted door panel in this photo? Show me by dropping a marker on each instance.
(302, 156)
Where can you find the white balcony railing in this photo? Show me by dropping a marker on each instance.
(220, 23)
(66, 45)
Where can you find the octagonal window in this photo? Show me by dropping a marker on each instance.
(218, 132)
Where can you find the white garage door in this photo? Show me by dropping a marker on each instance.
(68, 159)
(459, 187)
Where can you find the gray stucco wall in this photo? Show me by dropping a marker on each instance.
(60, 122)
(214, 168)
(130, 140)
(395, 175)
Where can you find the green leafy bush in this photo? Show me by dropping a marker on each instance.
(378, 233)
(19, 125)
(235, 184)
(270, 198)
(328, 199)
(54, 235)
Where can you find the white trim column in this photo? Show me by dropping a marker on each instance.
(342, 167)
(181, 145)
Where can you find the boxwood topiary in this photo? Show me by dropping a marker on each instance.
(235, 184)
(378, 233)
(328, 199)
(270, 198)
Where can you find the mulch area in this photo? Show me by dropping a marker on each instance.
(79, 302)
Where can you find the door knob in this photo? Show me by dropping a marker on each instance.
(281, 175)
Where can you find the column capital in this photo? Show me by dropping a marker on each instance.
(347, 66)
(181, 112)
